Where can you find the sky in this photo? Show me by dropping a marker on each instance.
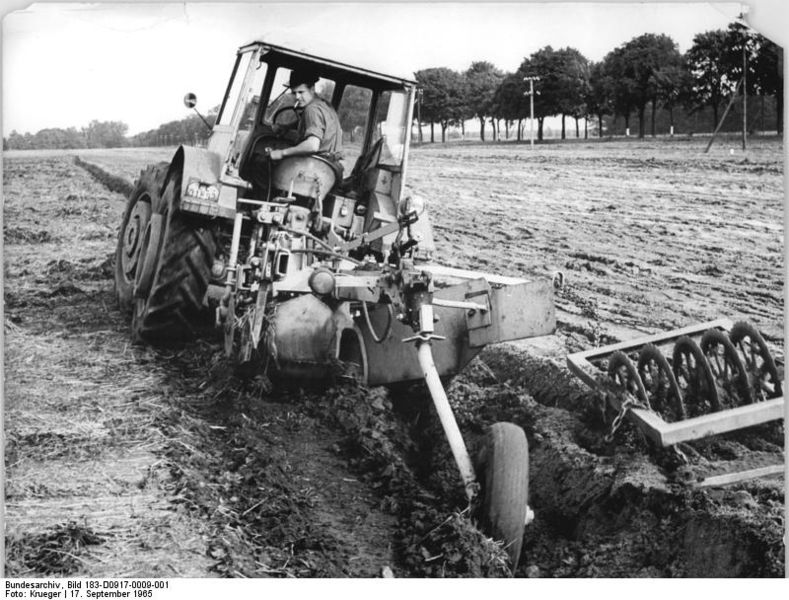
(65, 64)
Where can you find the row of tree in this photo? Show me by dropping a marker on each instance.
(646, 72)
(98, 134)
(190, 131)
(112, 134)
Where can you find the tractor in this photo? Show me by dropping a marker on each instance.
(312, 270)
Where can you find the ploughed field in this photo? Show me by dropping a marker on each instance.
(650, 235)
(124, 460)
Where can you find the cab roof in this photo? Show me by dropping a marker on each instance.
(329, 69)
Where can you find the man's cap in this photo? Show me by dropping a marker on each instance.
(302, 76)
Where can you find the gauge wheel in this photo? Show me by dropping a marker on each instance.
(694, 377)
(727, 368)
(141, 202)
(503, 474)
(624, 374)
(758, 360)
(661, 386)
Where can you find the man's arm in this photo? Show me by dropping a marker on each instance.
(308, 146)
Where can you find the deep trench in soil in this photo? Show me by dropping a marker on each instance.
(620, 509)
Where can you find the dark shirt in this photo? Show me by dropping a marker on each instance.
(319, 119)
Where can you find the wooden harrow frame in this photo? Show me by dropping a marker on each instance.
(588, 366)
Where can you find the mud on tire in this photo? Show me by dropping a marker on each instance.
(144, 199)
(173, 309)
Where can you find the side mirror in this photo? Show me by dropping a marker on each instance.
(190, 101)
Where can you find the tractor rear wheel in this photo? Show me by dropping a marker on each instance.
(143, 200)
(175, 272)
(504, 475)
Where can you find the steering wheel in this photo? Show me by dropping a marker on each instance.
(283, 110)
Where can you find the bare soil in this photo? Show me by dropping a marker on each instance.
(127, 461)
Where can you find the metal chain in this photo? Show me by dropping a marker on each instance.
(681, 456)
(620, 417)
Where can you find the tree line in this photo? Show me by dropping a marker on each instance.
(642, 76)
(646, 74)
(98, 134)
(112, 134)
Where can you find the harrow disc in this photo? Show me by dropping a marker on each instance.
(765, 383)
(727, 368)
(665, 396)
(624, 374)
(694, 377)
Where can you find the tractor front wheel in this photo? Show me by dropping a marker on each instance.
(504, 476)
(143, 200)
(174, 275)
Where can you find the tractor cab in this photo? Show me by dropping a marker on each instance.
(358, 190)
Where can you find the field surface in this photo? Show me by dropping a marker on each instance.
(126, 461)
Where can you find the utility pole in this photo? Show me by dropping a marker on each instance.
(744, 87)
(419, 112)
(531, 79)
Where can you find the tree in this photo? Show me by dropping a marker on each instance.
(483, 80)
(709, 63)
(106, 134)
(768, 75)
(183, 131)
(673, 88)
(563, 84)
(46, 138)
(622, 86)
(715, 62)
(573, 82)
(508, 100)
(600, 93)
(764, 61)
(443, 98)
(640, 62)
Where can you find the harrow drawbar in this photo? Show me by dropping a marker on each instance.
(691, 383)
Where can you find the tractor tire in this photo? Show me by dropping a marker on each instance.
(169, 306)
(504, 474)
(143, 200)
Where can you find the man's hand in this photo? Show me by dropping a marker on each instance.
(276, 155)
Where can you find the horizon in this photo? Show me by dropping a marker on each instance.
(148, 58)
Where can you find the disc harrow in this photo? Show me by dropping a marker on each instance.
(691, 383)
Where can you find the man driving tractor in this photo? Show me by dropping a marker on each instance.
(319, 130)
